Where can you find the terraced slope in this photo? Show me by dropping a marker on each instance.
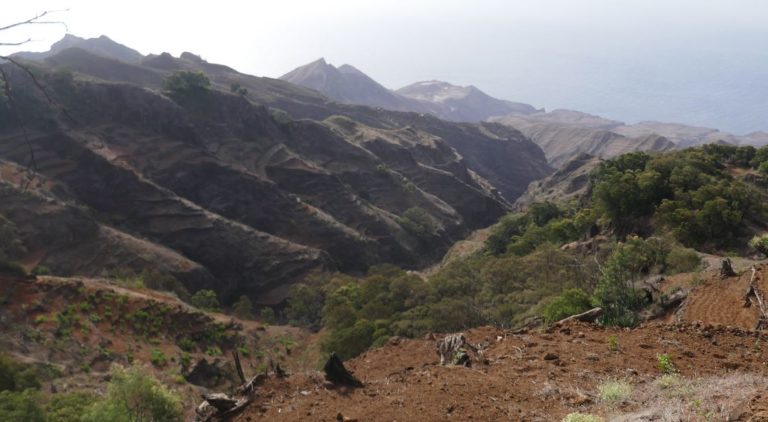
(253, 198)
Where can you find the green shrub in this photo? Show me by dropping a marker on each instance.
(69, 407)
(134, 395)
(186, 344)
(613, 343)
(185, 359)
(682, 260)
(206, 300)
(16, 376)
(213, 351)
(351, 341)
(665, 364)
(418, 222)
(570, 302)
(158, 358)
(187, 87)
(21, 407)
(760, 243)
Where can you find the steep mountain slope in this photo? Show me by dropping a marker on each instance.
(348, 85)
(251, 199)
(441, 99)
(462, 103)
(564, 134)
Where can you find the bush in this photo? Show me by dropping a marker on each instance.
(15, 376)
(157, 357)
(614, 392)
(581, 417)
(569, 302)
(243, 308)
(418, 222)
(760, 243)
(187, 87)
(69, 407)
(134, 395)
(613, 343)
(665, 364)
(682, 260)
(267, 315)
(206, 300)
(350, 342)
(20, 407)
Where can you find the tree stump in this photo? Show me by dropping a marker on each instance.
(726, 268)
(336, 373)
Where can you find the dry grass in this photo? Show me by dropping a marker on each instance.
(675, 398)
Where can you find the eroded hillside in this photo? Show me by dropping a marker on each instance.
(250, 198)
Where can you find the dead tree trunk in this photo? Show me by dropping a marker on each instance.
(336, 373)
(726, 268)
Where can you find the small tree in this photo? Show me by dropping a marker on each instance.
(267, 315)
(184, 86)
(235, 88)
(134, 395)
(615, 292)
(206, 300)
(243, 308)
(418, 222)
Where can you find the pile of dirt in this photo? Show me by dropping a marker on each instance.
(537, 376)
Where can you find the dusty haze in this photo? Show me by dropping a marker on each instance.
(700, 62)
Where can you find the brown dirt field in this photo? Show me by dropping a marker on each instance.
(721, 301)
(403, 381)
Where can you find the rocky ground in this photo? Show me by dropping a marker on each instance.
(717, 369)
(721, 373)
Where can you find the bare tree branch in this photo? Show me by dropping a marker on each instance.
(15, 44)
(36, 21)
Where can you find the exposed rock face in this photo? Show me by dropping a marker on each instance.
(245, 199)
(570, 182)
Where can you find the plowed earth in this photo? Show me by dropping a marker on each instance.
(538, 376)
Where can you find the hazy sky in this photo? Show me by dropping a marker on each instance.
(694, 61)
